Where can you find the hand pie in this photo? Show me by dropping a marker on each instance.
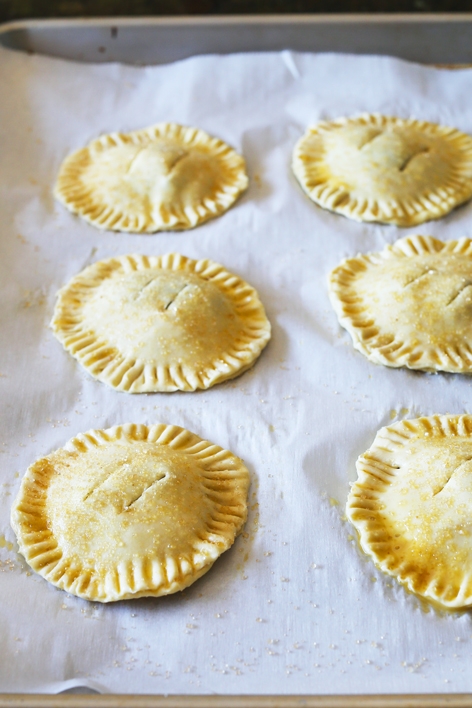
(411, 506)
(390, 170)
(160, 178)
(129, 512)
(409, 305)
(160, 323)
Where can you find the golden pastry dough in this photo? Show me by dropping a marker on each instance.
(411, 506)
(160, 323)
(390, 170)
(129, 512)
(164, 177)
(409, 305)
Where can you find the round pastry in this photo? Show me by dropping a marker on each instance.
(409, 305)
(129, 512)
(385, 169)
(160, 323)
(164, 177)
(411, 506)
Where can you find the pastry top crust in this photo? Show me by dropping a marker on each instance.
(130, 511)
(411, 506)
(409, 305)
(166, 177)
(385, 169)
(160, 323)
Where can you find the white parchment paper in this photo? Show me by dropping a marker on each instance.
(293, 607)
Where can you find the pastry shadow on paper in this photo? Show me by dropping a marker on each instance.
(216, 585)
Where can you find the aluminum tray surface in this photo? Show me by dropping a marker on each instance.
(433, 39)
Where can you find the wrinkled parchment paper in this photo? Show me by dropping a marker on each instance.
(294, 606)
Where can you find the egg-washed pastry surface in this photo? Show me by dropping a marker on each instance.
(412, 504)
(409, 305)
(160, 323)
(129, 512)
(164, 177)
(385, 169)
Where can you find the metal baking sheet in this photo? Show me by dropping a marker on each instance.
(426, 38)
(438, 40)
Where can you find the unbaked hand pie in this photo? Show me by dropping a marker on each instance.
(164, 177)
(390, 170)
(129, 512)
(412, 503)
(409, 305)
(160, 323)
